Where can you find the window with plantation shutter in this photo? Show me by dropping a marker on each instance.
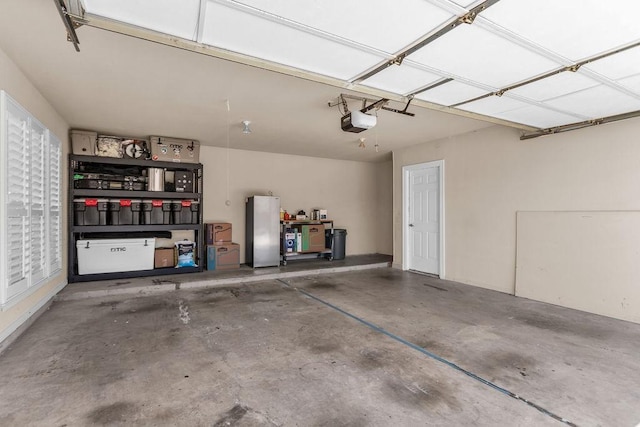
(29, 201)
(55, 203)
(17, 201)
(37, 235)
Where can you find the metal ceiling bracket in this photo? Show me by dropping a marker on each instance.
(68, 23)
(397, 60)
(380, 104)
(403, 111)
(468, 18)
(344, 104)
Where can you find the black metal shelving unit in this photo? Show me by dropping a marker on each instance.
(76, 232)
(284, 255)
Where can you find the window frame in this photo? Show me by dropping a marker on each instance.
(40, 212)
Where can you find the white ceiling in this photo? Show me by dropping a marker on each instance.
(128, 86)
(508, 43)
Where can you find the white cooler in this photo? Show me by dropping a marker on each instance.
(115, 255)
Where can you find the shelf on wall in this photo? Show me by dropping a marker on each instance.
(133, 194)
(77, 232)
(132, 228)
(134, 162)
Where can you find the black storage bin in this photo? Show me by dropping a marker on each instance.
(90, 211)
(80, 214)
(337, 241)
(185, 211)
(156, 212)
(120, 212)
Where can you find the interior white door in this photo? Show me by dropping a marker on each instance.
(423, 220)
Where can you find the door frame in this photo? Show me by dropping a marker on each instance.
(405, 212)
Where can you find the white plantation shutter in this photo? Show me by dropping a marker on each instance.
(18, 257)
(55, 217)
(38, 235)
(30, 201)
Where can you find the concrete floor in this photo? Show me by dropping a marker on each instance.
(371, 347)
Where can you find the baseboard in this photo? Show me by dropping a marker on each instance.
(22, 323)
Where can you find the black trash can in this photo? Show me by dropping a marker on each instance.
(339, 242)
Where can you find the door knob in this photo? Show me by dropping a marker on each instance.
(410, 225)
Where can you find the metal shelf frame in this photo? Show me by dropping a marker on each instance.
(284, 224)
(132, 194)
(75, 232)
(132, 228)
(135, 162)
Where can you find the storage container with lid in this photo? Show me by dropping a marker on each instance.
(185, 211)
(90, 211)
(156, 212)
(121, 211)
(114, 255)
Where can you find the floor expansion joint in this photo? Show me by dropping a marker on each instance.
(433, 356)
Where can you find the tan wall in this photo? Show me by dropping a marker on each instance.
(16, 84)
(491, 174)
(583, 260)
(384, 188)
(348, 190)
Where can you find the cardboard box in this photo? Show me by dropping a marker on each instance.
(164, 257)
(223, 257)
(289, 242)
(313, 238)
(217, 233)
(114, 255)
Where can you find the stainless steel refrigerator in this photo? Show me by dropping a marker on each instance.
(263, 231)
